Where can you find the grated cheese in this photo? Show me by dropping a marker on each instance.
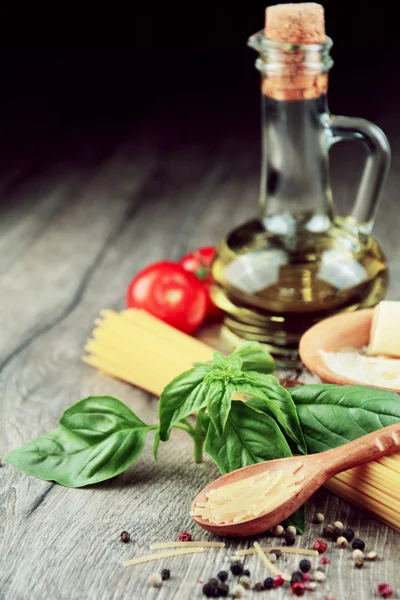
(151, 557)
(356, 365)
(247, 498)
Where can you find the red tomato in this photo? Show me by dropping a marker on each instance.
(199, 263)
(170, 293)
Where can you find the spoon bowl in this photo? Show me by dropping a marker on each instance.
(314, 471)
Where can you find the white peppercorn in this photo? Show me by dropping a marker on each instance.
(278, 530)
(342, 542)
(358, 554)
(155, 580)
(339, 525)
(238, 591)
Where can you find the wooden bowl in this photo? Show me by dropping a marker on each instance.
(332, 334)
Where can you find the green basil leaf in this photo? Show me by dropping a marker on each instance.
(332, 415)
(186, 394)
(250, 436)
(255, 357)
(97, 417)
(219, 398)
(156, 445)
(268, 386)
(74, 461)
(269, 407)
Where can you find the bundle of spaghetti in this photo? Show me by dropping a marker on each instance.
(142, 350)
(138, 348)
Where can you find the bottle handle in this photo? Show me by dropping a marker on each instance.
(376, 166)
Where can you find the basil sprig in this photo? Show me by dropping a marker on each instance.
(100, 437)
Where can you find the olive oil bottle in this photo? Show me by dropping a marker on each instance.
(298, 262)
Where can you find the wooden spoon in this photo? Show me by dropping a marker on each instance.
(316, 470)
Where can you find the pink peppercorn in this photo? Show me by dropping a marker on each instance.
(324, 560)
(278, 580)
(298, 588)
(185, 536)
(320, 546)
(385, 590)
(306, 577)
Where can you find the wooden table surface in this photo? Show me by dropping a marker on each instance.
(77, 219)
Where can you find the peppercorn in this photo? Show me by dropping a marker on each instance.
(185, 536)
(385, 590)
(296, 576)
(348, 534)
(165, 574)
(336, 532)
(312, 586)
(305, 565)
(269, 583)
(358, 554)
(210, 590)
(278, 580)
(339, 525)
(277, 531)
(320, 546)
(245, 581)
(359, 563)
(223, 589)
(324, 560)
(213, 581)
(319, 518)
(327, 531)
(290, 541)
(125, 537)
(306, 577)
(342, 542)
(238, 591)
(319, 576)
(258, 587)
(277, 552)
(223, 575)
(246, 572)
(291, 530)
(155, 580)
(358, 544)
(371, 555)
(298, 589)
(237, 568)
(272, 557)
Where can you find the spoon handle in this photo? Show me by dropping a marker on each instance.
(364, 449)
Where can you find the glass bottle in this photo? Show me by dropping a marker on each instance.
(298, 262)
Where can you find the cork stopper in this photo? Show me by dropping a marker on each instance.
(298, 24)
(302, 23)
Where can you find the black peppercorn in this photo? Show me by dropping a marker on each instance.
(237, 568)
(327, 531)
(223, 589)
(210, 591)
(246, 572)
(258, 587)
(223, 575)
(296, 577)
(269, 583)
(348, 534)
(290, 541)
(305, 565)
(165, 574)
(336, 532)
(358, 544)
(125, 537)
(213, 581)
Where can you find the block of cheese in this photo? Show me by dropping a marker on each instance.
(385, 330)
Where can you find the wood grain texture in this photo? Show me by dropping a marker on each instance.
(71, 236)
